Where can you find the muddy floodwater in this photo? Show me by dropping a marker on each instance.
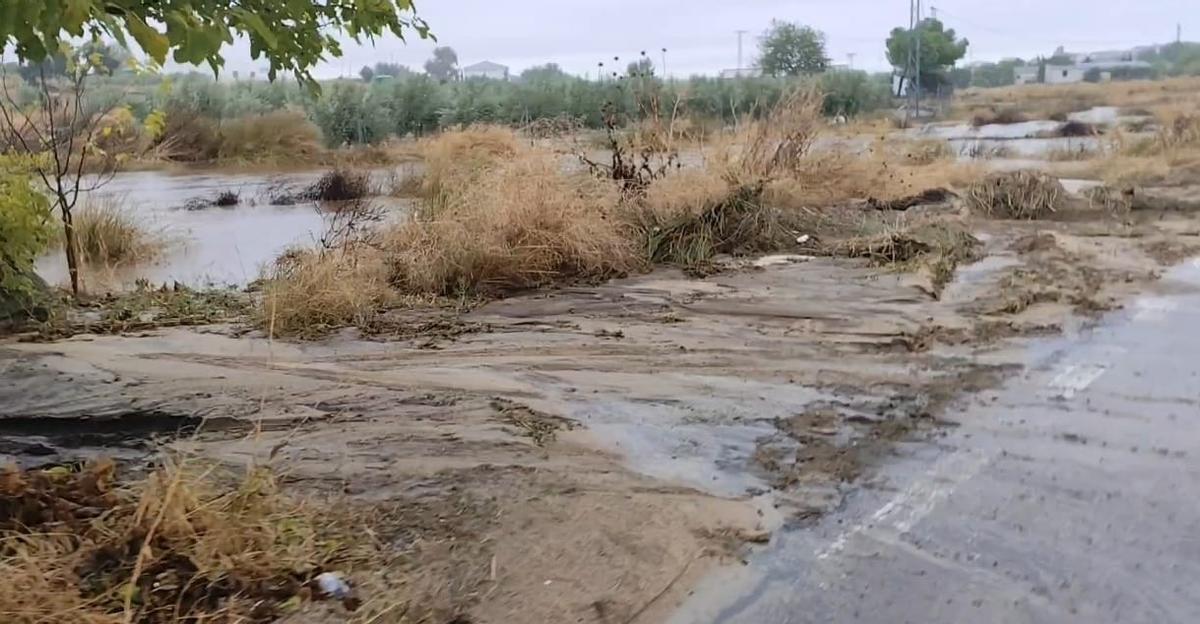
(214, 245)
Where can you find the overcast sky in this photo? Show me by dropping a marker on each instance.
(699, 34)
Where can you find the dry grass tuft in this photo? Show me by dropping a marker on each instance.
(455, 159)
(688, 219)
(777, 144)
(341, 185)
(111, 235)
(310, 292)
(279, 137)
(830, 178)
(521, 223)
(1024, 194)
(1109, 199)
(184, 545)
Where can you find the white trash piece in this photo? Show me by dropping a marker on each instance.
(333, 585)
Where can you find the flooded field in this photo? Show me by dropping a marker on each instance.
(210, 246)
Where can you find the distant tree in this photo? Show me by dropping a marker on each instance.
(940, 49)
(960, 77)
(54, 66)
(641, 68)
(395, 70)
(444, 64)
(1175, 59)
(789, 49)
(995, 74)
(367, 73)
(542, 73)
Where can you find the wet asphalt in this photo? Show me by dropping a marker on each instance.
(1070, 494)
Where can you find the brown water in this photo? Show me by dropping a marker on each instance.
(212, 246)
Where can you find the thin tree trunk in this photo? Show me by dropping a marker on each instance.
(72, 248)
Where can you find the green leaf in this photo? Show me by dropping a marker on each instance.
(153, 42)
(259, 27)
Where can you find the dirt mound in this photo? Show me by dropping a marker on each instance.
(1025, 194)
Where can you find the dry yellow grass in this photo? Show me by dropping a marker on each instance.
(833, 177)
(521, 222)
(111, 235)
(279, 137)
(454, 160)
(185, 544)
(309, 292)
(1024, 194)
(1048, 101)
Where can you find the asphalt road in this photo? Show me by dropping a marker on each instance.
(1072, 494)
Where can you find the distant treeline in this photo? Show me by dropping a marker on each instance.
(357, 112)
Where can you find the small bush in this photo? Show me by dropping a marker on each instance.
(189, 136)
(309, 292)
(1022, 194)
(455, 159)
(340, 185)
(277, 137)
(522, 223)
(111, 235)
(26, 228)
(226, 199)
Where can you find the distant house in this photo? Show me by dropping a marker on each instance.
(1064, 74)
(1025, 74)
(485, 69)
(745, 72)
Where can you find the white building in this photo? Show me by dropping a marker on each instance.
(485, 69)
(1025, 74)
(1064, 74)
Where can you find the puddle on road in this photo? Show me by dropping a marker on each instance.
(706, 441)
(213, 246)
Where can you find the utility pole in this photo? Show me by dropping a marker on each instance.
(1179, 32)
(912, 66)
(664, 65)
(739, 65)
(850, 59)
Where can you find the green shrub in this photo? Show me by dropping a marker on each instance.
(26, 226)
(349, 113)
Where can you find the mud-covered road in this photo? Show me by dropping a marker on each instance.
(592, 453)
(1067, 495)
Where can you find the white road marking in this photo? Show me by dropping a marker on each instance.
(1075, 377)
(907, 508)
(1153, 308)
